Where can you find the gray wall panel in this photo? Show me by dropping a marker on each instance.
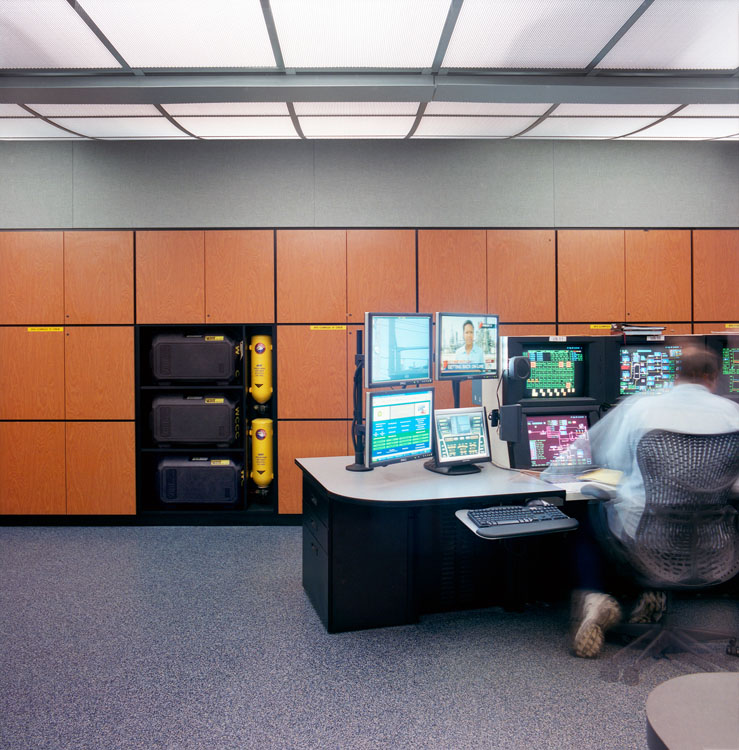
(36, 185)
(617, 184)
(193, 184)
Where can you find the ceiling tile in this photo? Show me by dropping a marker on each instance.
(472, 127)
(485, 108)
(95, 110)
(31, 129)
(239, 127)
(13, 110)
(356, 127)
(586, 127)
(356, 108)
(122, 127)
(228, 108)
(710, 110)
(614, 110)
(690, 127)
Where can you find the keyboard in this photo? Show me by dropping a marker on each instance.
(519, 520)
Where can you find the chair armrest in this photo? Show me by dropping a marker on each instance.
(597, 492)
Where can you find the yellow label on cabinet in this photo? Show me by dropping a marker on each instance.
(214, 338)
(731, 325)
(600, 327)
(37, 329)
(328, 328)
(213, 400)
(219, 462)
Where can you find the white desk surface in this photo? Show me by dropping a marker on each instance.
(411, 482)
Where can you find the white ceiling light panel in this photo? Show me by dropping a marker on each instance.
(239, 127)
(359, 33)
(48, 34)
(485, 108)
(586, 127)
(213, 109)
(356, 127)
(22, 128)
(534, 33)
(122, 127)
(356, 108)
(680, 34)
(709, 110)
(185, 33)
(472, 127)
(687, 128)
(614, 110)
(95, 110)
(13, 110)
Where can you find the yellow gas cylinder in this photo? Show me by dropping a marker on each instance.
(261, 368)
(261, 452)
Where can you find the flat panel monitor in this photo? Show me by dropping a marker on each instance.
(460, 440)
(556, 372)
(466, 346)
(726, 348)
(399, 426)
(398, 349)
(648, 367)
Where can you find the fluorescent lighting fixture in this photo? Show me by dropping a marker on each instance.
(356, 108)
(709, 110)
(485, 108)
(13, 110)
(122, 127)
(228, 108)
(586, 127)
(690, 127)
(534, 34)
(356, 127)
(359, 33)
(31, 128)
(680, 34)
(48, 34)
(185, 33)
(472, 127)
(239, 127)
(614, 110)
(95, 110)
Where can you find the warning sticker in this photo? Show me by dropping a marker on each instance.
(214, 338)
(213, 400)
(328, 328)
(37, 329)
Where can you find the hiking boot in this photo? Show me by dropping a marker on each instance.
(650, 607)
(594, 614)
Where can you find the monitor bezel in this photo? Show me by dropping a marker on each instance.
(438, 346)
(369, 381)
(369, 398)
(463, 459)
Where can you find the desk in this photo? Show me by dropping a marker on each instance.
(383, 547)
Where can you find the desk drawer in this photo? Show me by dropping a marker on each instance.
(316, 575)
(313, 523)
(315, 501)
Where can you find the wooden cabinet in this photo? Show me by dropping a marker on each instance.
(98, 277)
(32, 373)
(239, 276)
(380, 272)
(305, 439)
(657, 275)
(32, 473)
(311, 367)
(99, 372)
(101, 468)
(311, 276)
(31, 278)
(728, 329)
(170, 271)
(716, 274)
(523, 329)
(590, 274)
(521, 285)
(452, 271)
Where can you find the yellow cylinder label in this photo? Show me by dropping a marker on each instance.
(261, 368)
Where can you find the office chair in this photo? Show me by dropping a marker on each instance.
(687, 538)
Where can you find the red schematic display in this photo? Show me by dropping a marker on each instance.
(550, 435)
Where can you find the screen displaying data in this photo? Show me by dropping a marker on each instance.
(467, 345)
(461, 435)
(550, 435)
(556, 373)
(730, 369)
(399, 349)
(399, 426)
(648, 367)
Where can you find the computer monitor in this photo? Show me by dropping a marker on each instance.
(460, 440)
(399, 426)
(648, 367)
(466, 346)
(398, 349)
(726, 348)
(556, 372)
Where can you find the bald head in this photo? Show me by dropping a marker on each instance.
(699, 366)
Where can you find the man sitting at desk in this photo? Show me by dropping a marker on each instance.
(689, 407)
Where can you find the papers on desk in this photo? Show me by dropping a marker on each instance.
(611, 477)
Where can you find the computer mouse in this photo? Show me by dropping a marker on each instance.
(537, 502)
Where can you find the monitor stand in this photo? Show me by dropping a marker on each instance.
(452, 471)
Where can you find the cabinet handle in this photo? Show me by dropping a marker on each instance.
(313, 500)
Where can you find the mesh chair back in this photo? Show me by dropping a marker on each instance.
(688, 534)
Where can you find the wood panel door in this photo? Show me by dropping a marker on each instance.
(101, 468)
(657, 275)
(583, 329)
(170, 277)
(726, 329)
(31, 278)
(590, 275)
(304, 440)
(98, 277)
(380, 272)
(521, 275)
(523, 329)
(99, 372)
(452, 274)
(716, 274)
(32, 473)
(31, 373)
(240, 276)
(311, 276)
(312, 373)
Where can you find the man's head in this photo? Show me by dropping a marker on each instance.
(699, 366)
(469, 334)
